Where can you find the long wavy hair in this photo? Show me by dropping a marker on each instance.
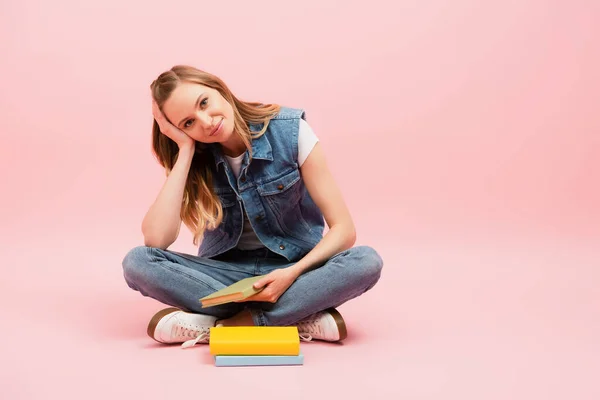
(201, 208)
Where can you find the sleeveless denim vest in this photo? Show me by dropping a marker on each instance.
(271, 190)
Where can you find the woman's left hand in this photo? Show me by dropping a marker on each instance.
(276, 283)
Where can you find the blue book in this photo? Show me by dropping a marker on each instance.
(239, 361)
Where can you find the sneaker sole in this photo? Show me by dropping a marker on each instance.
(157, 317)
(339, 321)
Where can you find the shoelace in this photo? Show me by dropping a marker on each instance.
(187, 331)
(193, 342)
(305, 338)
(309, 327)
(201, 334)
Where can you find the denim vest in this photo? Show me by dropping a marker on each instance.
(271, 190)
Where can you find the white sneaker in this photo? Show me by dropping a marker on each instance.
(172, 325)
(325, 325)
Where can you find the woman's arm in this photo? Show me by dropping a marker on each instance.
(341, 235)
(162, 222)
(324, 191)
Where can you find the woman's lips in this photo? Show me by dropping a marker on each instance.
(217, 129)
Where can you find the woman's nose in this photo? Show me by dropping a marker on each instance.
(205, 119)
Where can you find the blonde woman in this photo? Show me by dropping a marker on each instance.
(251, 182)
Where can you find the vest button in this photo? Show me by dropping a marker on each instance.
(280, 187)
(282, 247)
(258, 218)
(243, 179)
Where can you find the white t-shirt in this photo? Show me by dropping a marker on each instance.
(306, 142)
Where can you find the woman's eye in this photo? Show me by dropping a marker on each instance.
(203, 103)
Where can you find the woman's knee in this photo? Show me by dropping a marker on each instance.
(365, 261)
(371, 261)
(135, 263)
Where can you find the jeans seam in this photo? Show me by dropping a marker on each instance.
(182, 273)
(226, 267)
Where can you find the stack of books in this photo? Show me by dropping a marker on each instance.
(255, 345)
(250, 345)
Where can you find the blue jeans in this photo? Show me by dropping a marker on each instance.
(180, 280)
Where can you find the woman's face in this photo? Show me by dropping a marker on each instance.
(201, 112)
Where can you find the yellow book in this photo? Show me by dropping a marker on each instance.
(254, 340)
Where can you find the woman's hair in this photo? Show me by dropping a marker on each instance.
(201, 208)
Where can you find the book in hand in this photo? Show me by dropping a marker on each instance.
(238, 291)
(254, 341)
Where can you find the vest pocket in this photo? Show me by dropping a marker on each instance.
(282, 196)
(279, 185)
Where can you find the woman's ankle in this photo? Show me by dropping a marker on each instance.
(243, 318)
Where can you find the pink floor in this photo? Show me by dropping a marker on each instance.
(464, 135)
(450, 319)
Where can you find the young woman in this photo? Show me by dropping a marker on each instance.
(251, 182)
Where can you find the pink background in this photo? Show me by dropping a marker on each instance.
(466, 140)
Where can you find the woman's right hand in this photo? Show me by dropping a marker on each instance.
(171, 131)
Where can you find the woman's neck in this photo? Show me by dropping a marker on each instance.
(234, 147)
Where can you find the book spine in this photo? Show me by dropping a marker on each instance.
(236, 361)
(276, 348)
